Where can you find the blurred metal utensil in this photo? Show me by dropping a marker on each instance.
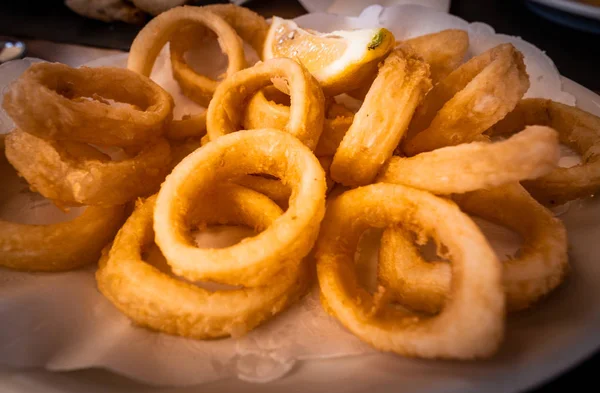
(11, 49)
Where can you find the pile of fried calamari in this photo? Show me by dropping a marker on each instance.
(436, 139)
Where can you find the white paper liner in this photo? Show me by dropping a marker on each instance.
(61, 322)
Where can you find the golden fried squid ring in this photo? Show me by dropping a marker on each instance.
(150, 40)
(471, 325)
(469, 101)
(378, 126)
(49, 100)
(62, 246)
(148, 43)
(270, 108)
(250, 26)
(531, 153)
(225, 112)
(577, 129)
(252, 262)
(444, 51)
(158, 301)
(275, 189)
(74, 173)
(539, 268)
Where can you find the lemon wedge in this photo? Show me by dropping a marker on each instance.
(341, 60)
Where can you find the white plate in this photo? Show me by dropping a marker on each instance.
(540, 344)
(573, 7)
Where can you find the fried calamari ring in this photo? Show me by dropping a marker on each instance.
(539, 268)
(150, 40)
(470, 100)
(49, 101)
(250, 26)
(289, 238)
(577, 129)
(378, 126)
(62, 246)
(471, 325)
(225, 113)
(155, 300)
(531, 153)
(59, 247)
(270, 108)
(77, 174)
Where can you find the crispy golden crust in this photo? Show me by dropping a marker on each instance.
(158, 301)
(444, 51)
(539, 268)
(250, 26)
(255, 260)
(197, 87)
(181, 149)
(379, 125)
(471, 325)
(49, 101)
(151, 39)
(225, 112)
(188, 126)
(275, 189)
(266, 110)
(577, 129)
(530, 154)
(77, 174)
(58, 247)
(471, 99)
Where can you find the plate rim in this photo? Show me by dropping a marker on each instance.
(572, 7)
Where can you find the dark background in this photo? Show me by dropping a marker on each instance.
(574, 52)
